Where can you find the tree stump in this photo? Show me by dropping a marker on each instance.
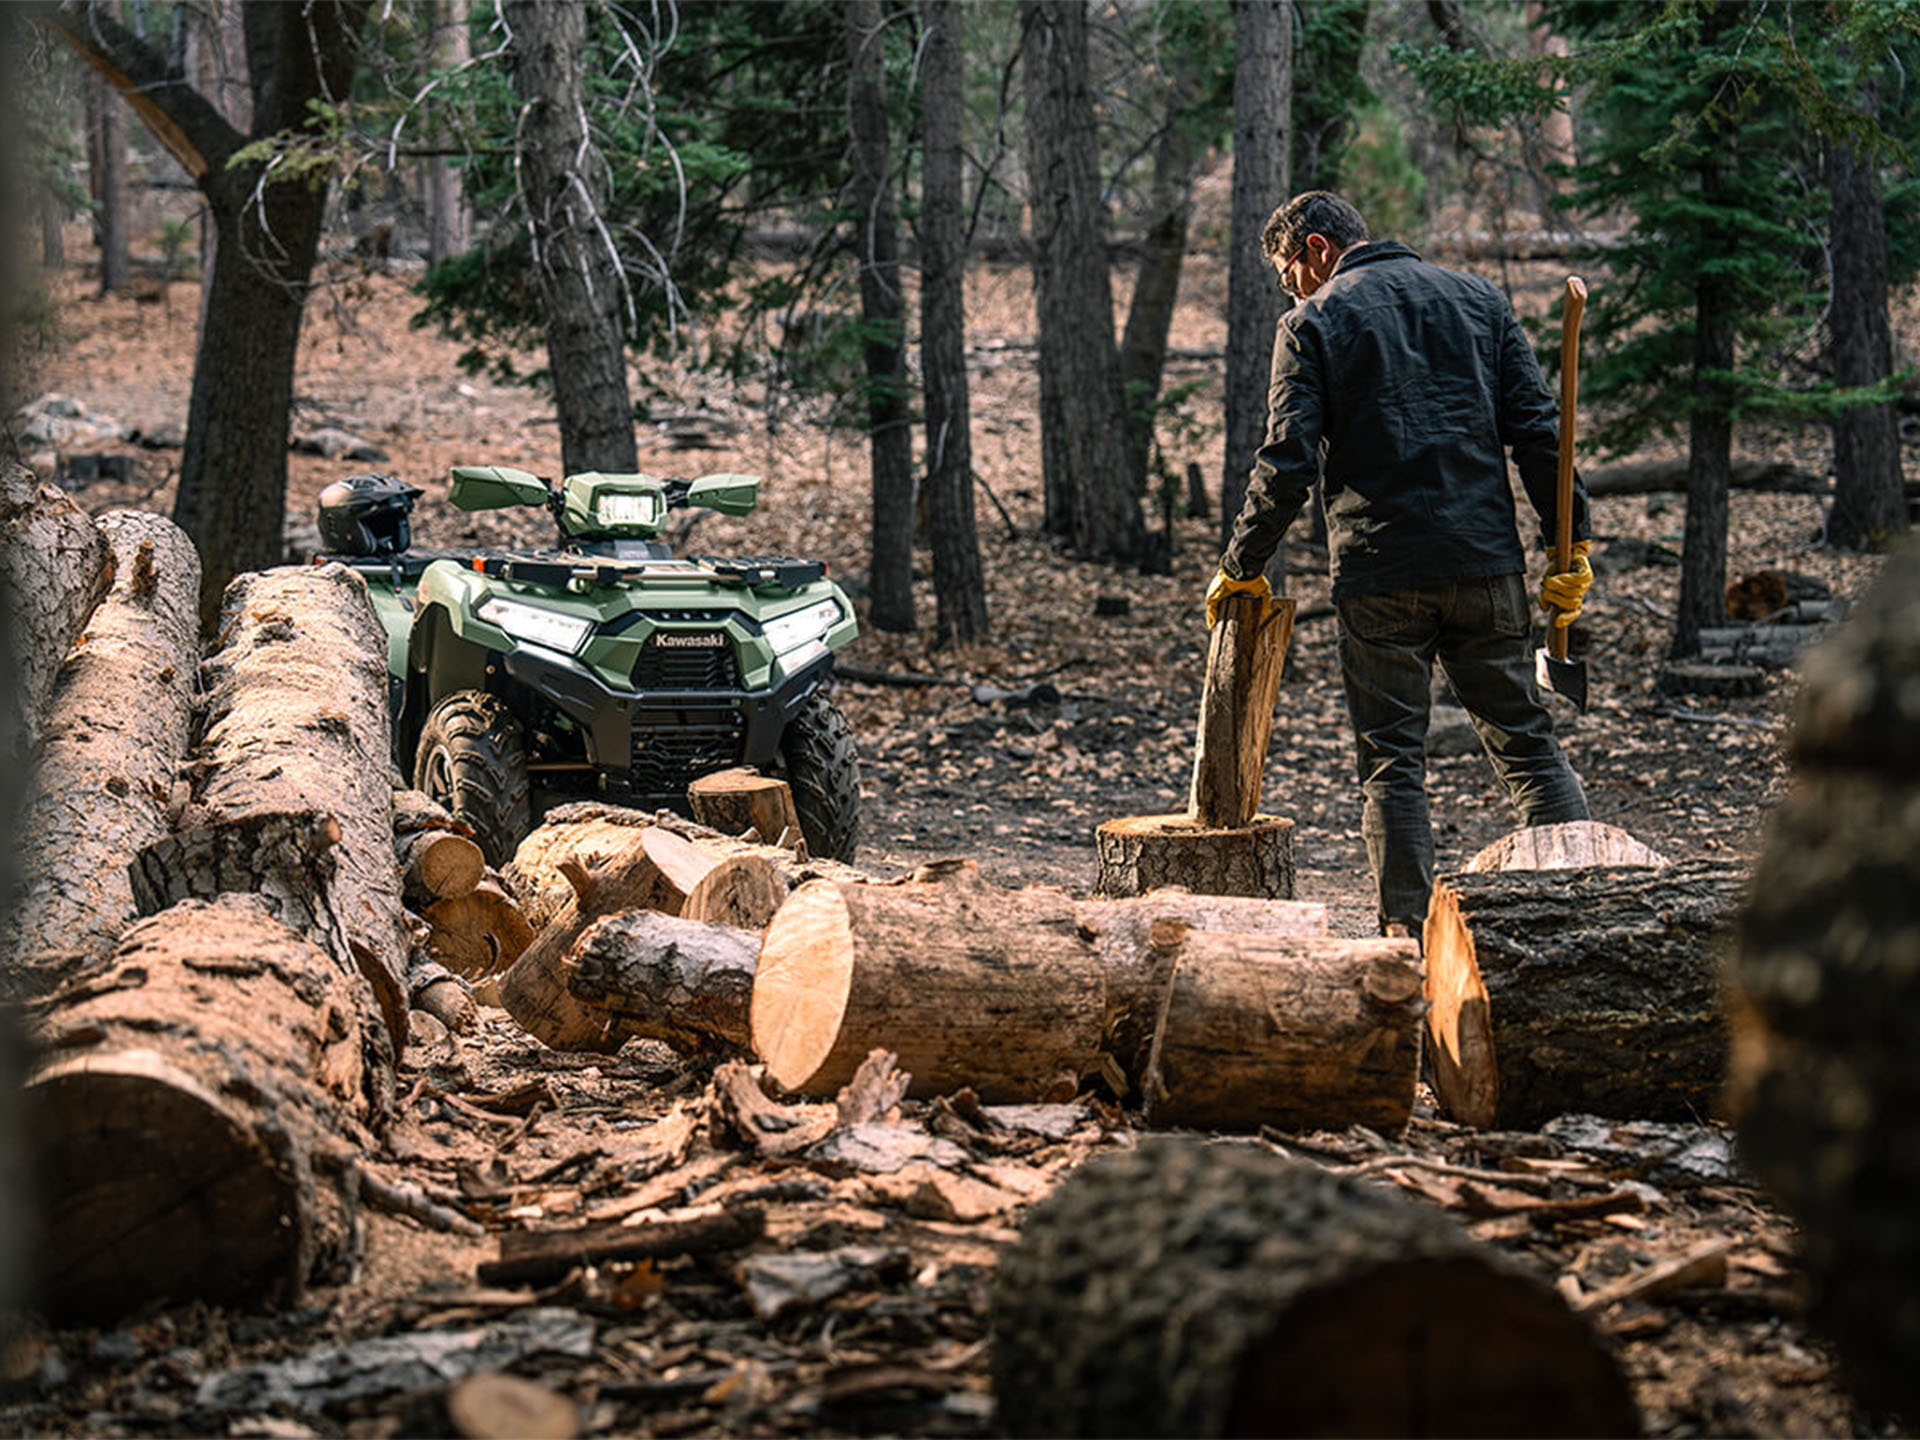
(1299, 1034)
(1246, 651)
(1139, 853)
(686, 982)
(116, 732)
(966, 983)
(1183, 1288)
(190, 1106)
(742, 801)
(1825, 992)
(1593, 990)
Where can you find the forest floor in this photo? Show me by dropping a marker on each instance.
(1016, 787)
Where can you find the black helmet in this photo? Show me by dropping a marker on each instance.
(366, 515)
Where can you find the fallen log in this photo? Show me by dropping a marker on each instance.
(656, 870)
(686, 982)
(967, 983)
(1654, 477)
(1246, 652)
(480, 933)
(743, 802)
(296, 732)
(55, 566)
(438, 857)
(540, 1257)
(1298, 1034)
(1825, 995)
(183, 1111)
(1183, 1288)
(1591, 990)
(116, 732)
(1138, 853)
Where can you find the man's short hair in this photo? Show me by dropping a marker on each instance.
(1312, 212)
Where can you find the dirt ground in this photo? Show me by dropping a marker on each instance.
(1017, 788)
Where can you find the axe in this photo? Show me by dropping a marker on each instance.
(1551, 667)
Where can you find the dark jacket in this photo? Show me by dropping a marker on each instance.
(1410, 382)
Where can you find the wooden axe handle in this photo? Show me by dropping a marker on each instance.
(1569, 396)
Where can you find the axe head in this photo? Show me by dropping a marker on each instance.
(1565, 678)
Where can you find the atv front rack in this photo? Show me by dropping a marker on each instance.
(780, 571)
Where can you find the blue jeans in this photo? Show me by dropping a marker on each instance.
(1480, 631)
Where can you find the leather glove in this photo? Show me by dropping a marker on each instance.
(1224, 585)
(1563, 591)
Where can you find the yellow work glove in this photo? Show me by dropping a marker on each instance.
(1224, 585)
(1563, 591)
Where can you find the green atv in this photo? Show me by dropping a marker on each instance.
(604, 668)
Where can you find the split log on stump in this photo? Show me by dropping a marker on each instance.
(1138, 941)
(1825, 992)
(117, 730)
(1139, 853)
(967, 983)
(439, 859)
(55, 566)
(1567, 846)
(1183, 1288)
(296, 725)
(480, 933)
(656, 870)
(740, 800)
(659, 977)
(1246, 653)
(188, 1116)
(1300, 1034)
(1594, 990)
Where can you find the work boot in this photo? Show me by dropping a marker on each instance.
(1398, 930)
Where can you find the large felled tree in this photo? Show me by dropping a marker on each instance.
(267, 209)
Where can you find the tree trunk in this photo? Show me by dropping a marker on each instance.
(191, 1112)
(447, 220)
(1082, 404)
(1262, 105)
(116, 733)
(53, 240)
(1593, 990)
(882, 315)
(686, 982)
(221, 75)
(966, 983)
(1138, 853)
(438, 857)
(1246, 653)
(563, 190)
(1299, 1034)
(1182, 1288)
(110, 189)
(55, 566)
(1143, 345)
(1826, 999)
(959, 587)
(742, 802)
(1869, 489)
(295, 749)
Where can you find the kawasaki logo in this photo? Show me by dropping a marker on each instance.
(669, 640)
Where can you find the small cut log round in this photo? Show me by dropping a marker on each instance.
(438, 856)
(967, 983)
(1139, 853)
(1183, 1288)
(480, 933)
(686, 982)
(742, 801)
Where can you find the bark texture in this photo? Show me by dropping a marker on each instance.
(1138, 853)
(116, 734)
(190, 1115)
(1826, 997)
(1181, 1288)
(1246, 653)
(1593, 990)
(686, 982)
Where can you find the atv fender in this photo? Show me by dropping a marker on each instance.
(439, 662)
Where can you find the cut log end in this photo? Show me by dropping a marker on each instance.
(1138, 853)
(802, 984)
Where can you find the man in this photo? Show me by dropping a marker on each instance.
(1409, 383)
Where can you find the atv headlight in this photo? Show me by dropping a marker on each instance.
(565, 633)
(788, 633)
(627, 508)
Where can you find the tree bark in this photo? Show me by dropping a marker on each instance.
(966, 983)
(1869, 488)
(1182, 1288)
(110, 189)
(1156, 286)
(1299, 1034)
(686, 982)
(116, 733)
(882, 313)
(1138, 853)
(959, 586)
(447, 219)
(1246, 653)
(1826, 1000)
(55, 567)
(191, 1113)
(742, 801)
(1593, 990)
(1083, 407)
(563, 192)
(1262, 106)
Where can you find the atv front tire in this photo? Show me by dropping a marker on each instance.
(822, 767)
(473, 760)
